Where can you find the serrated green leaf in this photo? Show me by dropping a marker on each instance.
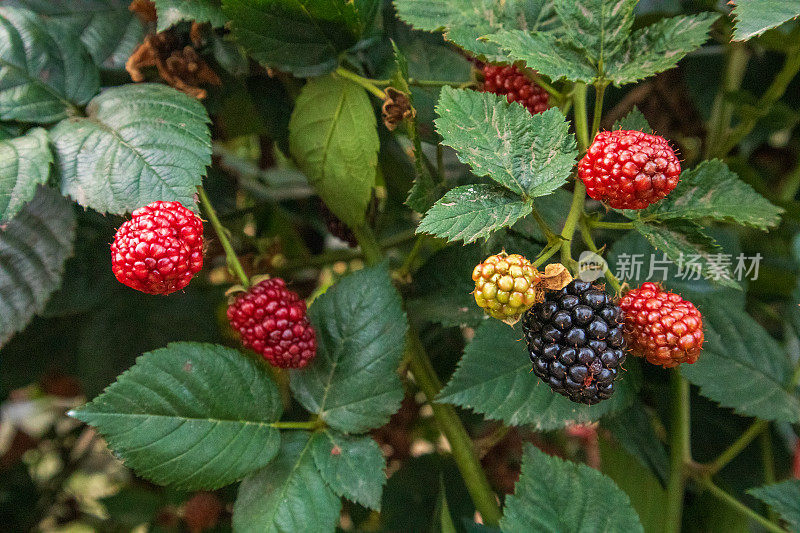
(171, 12)
(302, 37)
(352, 466)
(289, 494)
(547, 54)
(139, 143)
(24, 165)
(784, 498)
(754, 17)
(443, 287)
(741, 366)
(108, 29)
(658, 47)
(191, 415)
(635, 120)
(494, 378)
(45, 71)
(711, 190)
(33, 248)
(553, 495)
(351, 383)
(598, 27)
(683, 242)
(333, 138)
(466, 21)
(470, 212)
(531, 155)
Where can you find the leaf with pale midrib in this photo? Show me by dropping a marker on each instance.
(352, 383)
(24, 165)
(531, 155)
(494, 378)
(191, 415)
(754, 17)
(140, 143)
(288, 495)
(45, 71)
(557, 496)
(33, 248)
(741, 366)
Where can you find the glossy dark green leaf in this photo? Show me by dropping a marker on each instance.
(784, 498)
(171, 12)
(24, 165)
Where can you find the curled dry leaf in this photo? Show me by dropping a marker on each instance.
(555, 277)
(396, 108)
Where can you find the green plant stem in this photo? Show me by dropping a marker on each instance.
(722, 109)
(548, 233)
(773, 93)
(600, 91)
(405, 268)
(768, 460)
(446, 417)
(739, 506)
(581, 120)
(546, 254)
(586, 234)
(366, 83)
(609, 225)
(233, 261)
(790, 185)
(680, 451)
(737, 447)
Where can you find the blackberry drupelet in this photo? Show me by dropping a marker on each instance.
(576, 342)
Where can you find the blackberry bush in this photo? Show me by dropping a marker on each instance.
(540, 199)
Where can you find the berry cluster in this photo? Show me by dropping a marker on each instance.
(272, 321)
(504, 285)
(629, 169)
(512, 82)
(159, 249)
(576, 342)
(661, 326)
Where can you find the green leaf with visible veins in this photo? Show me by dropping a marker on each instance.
(108, 29)
(784, 498)
(635, 120)
(353, 466)
(557, 496)
(686, 245)
(138, 143)
(171, 12)
(302, 37)
(289, 494)
(45, 70)
(712, 190)
(191, 415)
(741, 366)
(33, 247)
(24, 165)
(598, 27)
(547, 54)
(494, 378)
(333, 138)
(351, 383)
(658, 47)
(531, 155)
(473, 211)
(754, 17)
(466, 21)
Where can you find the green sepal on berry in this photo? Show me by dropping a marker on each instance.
(505, 286)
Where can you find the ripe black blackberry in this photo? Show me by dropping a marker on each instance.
(575, 338)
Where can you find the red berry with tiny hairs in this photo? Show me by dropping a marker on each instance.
(159, 249)
(272, 321)
(661, 326)
(512, 82)
(629, 169)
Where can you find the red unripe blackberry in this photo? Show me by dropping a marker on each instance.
(576, 342)
(159, 249)
(272, 321)
(629, 169)
(661, 326)
(512, 82)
